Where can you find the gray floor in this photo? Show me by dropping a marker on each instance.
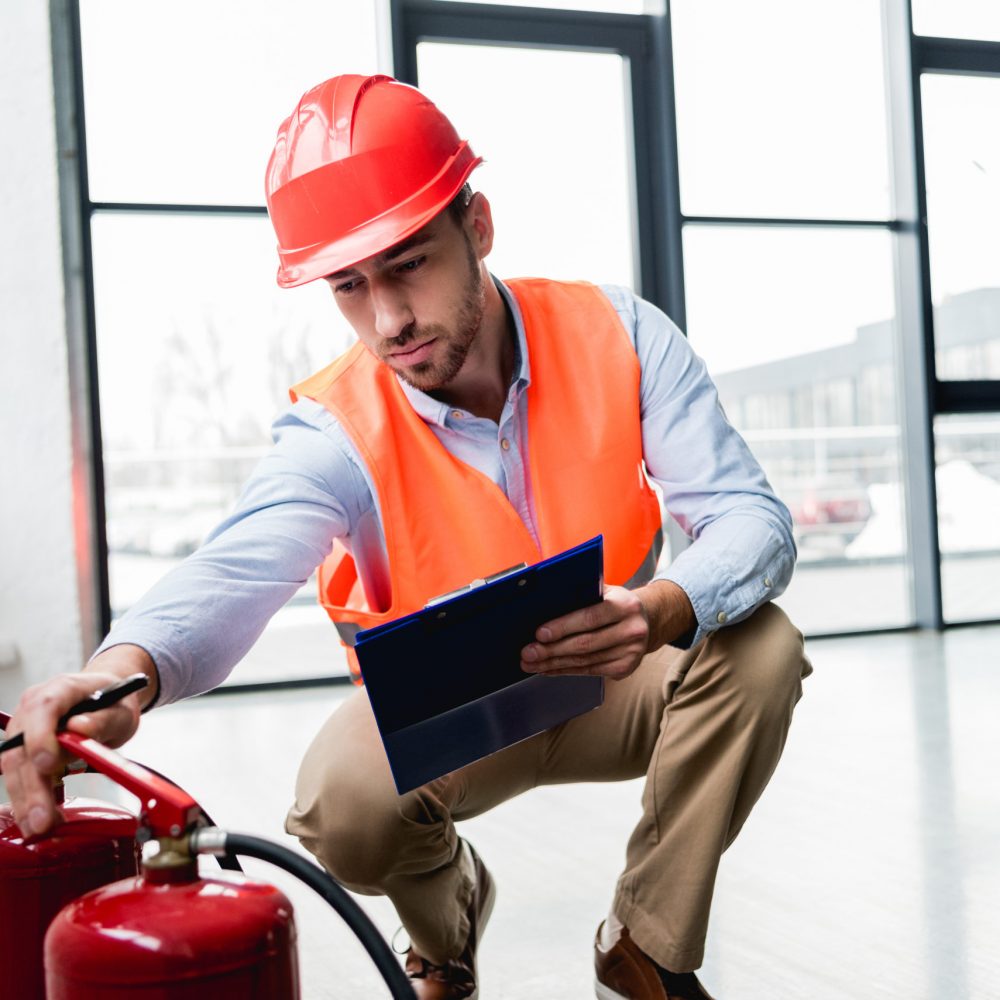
(869, 869)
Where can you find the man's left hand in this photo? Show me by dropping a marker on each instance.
(610, 638)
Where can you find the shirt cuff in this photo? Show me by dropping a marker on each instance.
(165, 646)
(717, 604)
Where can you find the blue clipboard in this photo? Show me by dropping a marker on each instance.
(445, 683)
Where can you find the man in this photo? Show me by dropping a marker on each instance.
(478, 420)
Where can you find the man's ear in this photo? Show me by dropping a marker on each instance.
(479, 224)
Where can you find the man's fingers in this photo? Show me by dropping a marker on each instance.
(36, 719)
(609, 639)
(30, 792)
(585, 620)
(29, 771)
(41, 708)
(111, 726)
(617, 605)
(614, 668)
(581, 663)
(584, 646)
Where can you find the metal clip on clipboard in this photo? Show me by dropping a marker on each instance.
(478, 582)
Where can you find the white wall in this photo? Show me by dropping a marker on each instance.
(39, 610)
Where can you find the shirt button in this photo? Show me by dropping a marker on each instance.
(505, 444)
(767, 581)
(457, 414)
(721, 617)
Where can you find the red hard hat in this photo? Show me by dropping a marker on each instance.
(362, 162)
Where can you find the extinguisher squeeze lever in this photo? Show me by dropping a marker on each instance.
(165, 810)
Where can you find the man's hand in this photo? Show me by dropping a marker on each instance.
(30, 770)
(611, 638)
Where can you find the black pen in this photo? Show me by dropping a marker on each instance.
(103, 698)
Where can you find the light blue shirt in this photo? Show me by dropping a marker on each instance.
(202, 618)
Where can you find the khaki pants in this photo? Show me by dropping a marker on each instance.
(705, 726)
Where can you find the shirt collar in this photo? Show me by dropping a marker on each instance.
(433, 411)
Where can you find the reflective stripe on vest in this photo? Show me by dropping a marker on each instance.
(444, 522)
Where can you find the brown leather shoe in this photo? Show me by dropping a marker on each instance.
(456, 979)
(624, 972)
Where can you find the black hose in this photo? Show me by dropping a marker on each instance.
(327, 887)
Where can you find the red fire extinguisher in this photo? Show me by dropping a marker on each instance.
(172, 934)
(169, 932)
(92, 846)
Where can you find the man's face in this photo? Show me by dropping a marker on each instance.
(418, 305)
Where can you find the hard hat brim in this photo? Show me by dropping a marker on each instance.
(370, 237)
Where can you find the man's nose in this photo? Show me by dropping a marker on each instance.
(392, 313)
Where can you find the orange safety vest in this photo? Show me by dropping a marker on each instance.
(444, 522)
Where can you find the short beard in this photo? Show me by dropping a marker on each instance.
(427, 376)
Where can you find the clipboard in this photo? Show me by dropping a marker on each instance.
(445, 683)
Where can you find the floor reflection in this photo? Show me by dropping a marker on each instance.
(944, 946)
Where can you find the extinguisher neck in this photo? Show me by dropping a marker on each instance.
(172, 864)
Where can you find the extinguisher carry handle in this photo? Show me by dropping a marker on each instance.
(168, 811)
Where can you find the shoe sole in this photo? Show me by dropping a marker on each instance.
(603, 992)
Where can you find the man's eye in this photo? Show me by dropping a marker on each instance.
(412, 265)
(345, 287)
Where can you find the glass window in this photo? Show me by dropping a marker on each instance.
(962, 157)
(957, 19)
(968, 488)
(196, 349)
(876, 395)
(183, 99)
(560, 190)
(781, 109)
(805, 316)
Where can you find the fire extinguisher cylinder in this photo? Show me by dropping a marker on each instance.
(92, 846)
(170, 933)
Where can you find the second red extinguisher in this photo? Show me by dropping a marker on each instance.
(172, 934)
(169, 932)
